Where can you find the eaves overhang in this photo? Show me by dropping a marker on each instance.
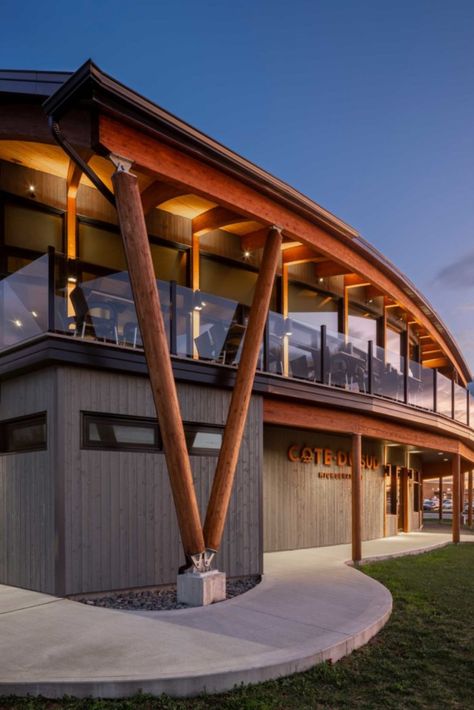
(91, 86)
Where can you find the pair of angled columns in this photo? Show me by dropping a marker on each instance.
(196, 539)
(199, 542)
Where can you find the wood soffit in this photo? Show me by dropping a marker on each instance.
(89, 86)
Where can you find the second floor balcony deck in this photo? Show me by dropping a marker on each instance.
(41, 298)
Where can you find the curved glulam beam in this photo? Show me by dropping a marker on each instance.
(331, 268)
(159, 192)
(216, 218)
(300, 255)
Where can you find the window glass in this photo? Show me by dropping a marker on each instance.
(101, 246)
(32, 229)
(169, 263)
(23, 434)
(221, 279)
(312, 307)
(203, 440)
(115, 432)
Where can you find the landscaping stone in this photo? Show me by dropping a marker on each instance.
(162, 599)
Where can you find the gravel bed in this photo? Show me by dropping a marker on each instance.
(161, 599)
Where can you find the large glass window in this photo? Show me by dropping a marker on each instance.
(169, 263)
(101, 246)
(364, 310)
(23, 434)
(226, 280)
(32, 229)
(312, 307)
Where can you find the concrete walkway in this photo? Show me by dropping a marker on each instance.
(309, 607)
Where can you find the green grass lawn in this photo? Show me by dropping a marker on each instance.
(423, 658)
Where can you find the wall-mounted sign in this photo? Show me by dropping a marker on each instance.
(328, 457)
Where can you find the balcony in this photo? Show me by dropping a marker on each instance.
(40, 299)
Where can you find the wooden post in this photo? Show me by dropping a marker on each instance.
(469, 498)
(155, 346)
(356, 498)
(195, 285)
(456, 471)
(229, 453)
(284, 312)
(440, 511)
(406, 499)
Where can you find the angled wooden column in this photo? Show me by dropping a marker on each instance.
(155, 345)
(234, 429)
(456, 471)
(356, 486)
(469, 498)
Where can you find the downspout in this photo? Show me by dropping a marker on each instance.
(76, 158)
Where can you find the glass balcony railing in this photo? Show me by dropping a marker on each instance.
(206, 327)
(24, 303)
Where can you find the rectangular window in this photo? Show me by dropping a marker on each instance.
(114, 432)
(120, 433)
(23, 434)
(203, 440)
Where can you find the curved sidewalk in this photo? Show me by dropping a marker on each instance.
(310, 607)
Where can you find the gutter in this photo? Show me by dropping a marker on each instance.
(78, 160)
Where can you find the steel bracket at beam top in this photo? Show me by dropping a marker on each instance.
(121, 164)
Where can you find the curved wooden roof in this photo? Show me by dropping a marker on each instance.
(90, 87)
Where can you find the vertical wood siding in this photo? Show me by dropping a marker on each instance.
(27, 503)
(120, 524)
(303, 510)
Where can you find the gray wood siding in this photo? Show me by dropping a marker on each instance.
(303, 510)
(120, 524)
(27, 502)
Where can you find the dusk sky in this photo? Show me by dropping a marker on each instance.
(367, 107)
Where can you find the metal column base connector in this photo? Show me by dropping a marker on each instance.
(202, 561)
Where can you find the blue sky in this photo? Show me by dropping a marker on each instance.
(366, 106)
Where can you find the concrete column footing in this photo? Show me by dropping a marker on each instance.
(201, 588)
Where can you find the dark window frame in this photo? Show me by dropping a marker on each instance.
(111, 419)
(35, 418)
(194, 428)
(149, 422)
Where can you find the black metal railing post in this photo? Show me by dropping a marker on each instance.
(405, 379)
(370, 364)
(51, 289)
(324, 364)
(173, 319)
(453, 407)
(435, 390)
(266, 346)
(468, 413)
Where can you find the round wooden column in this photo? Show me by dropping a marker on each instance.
(356, 498)
(456, 471)
(239, 404)
(469, 499)
(155, 346)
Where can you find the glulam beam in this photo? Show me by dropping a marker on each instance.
(159, 192)
(155, 346)
(328, 268)
(300, 255)
(215, 218)
(226, 464)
